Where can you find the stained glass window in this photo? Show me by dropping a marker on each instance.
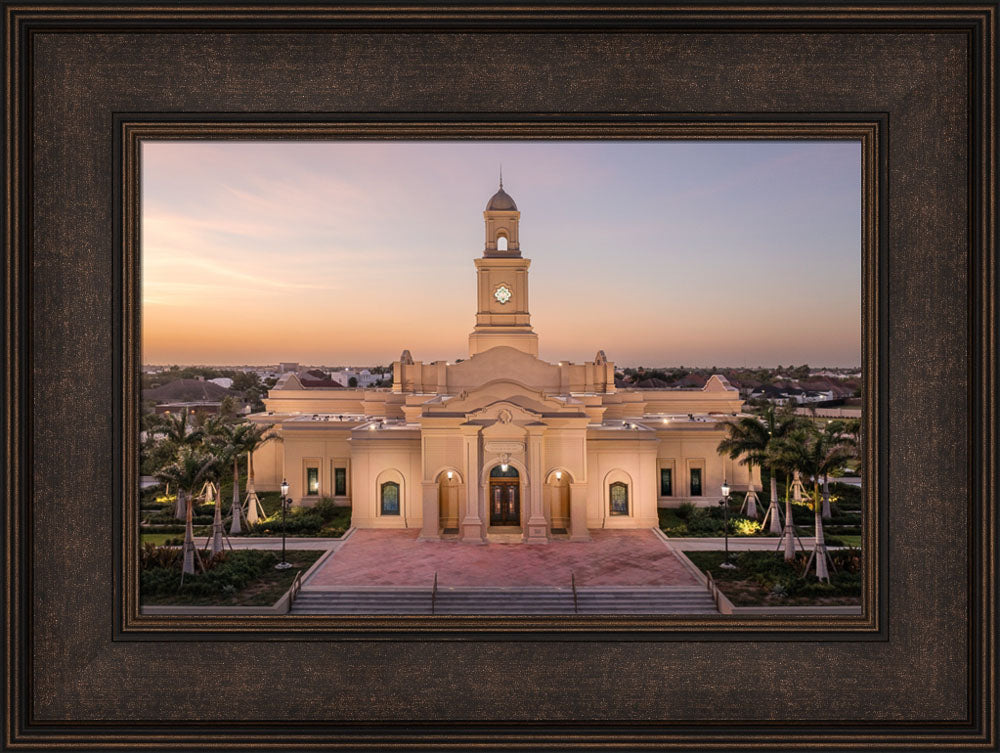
(696, 482)
(390, 498)
(312, 481)
(340, 482)
(619, 498)
(666, 482)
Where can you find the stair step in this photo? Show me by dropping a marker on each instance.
(524, 600)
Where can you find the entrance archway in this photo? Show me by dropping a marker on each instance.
(557, 496)
(505, 496)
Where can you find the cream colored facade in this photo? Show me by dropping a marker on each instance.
(503, 442)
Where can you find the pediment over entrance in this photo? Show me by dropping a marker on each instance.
(505, 414)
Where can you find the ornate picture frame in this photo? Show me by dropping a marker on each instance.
(86, 83)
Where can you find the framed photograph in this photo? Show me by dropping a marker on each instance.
(282, 405)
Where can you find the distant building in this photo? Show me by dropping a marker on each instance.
(222, 382)
(197, 396)
(364, 378)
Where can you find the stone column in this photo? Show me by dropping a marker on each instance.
(578, 513)
(537, 529)
(472, 528)
(431, 527)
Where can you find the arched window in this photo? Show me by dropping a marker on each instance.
(501, 243)
(390, 498)
(618, 492)
(499, 472)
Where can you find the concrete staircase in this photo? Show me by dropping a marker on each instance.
(506, 601)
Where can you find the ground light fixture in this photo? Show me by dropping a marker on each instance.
(284, 564)
(726, 564)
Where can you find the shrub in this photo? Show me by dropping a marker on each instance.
(846, 496)
(746, 527)
(685, 509)
(326, 509)
(151, 556)
(702, 521)
(225, 574)
(298, 522)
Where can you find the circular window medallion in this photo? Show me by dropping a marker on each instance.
(502, 294)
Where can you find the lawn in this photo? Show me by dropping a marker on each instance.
(844, 540)
(161, 538)
(765, 579)
(241, 578)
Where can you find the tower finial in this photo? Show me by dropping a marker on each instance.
(501, 176)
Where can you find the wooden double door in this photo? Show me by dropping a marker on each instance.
(505, 502)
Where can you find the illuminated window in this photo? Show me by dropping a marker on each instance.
(340, 482)
(696, 482)
(619, 498)
(666, 482)
(390, 498)
(312, 481)
(502, 243)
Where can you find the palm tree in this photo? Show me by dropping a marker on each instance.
(844, 433)
(251, 439)
(752, 438)
(190, 469)
(813, 454)
(237, 439)
(174, 432)
(215, 429)
(747, 440)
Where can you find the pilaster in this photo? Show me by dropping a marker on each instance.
(537, 530)
(472, 529)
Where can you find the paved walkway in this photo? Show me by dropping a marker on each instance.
(740, 544)
(260, 542)
(397, 558)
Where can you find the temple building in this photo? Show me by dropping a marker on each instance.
(502, 444)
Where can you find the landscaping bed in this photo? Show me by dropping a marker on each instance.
(689, 521)
(244, 577)
(766, 579)
(324, 520)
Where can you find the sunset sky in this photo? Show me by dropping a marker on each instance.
(345, 253)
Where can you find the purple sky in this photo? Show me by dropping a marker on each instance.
(659, 253)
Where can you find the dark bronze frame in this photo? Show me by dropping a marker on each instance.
(83, 669)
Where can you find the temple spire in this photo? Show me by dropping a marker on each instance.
(501, 176)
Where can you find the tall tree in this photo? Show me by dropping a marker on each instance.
(813, 454)
(191, 468)
(747, 439)
(237, 439)
(216, 429)
(752, 437)
(846, 434)
(255, 436)
(175, 432)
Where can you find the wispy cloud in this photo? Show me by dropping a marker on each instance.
(356, 250)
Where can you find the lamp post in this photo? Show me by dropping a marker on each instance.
(284, 564)
(725, 514)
